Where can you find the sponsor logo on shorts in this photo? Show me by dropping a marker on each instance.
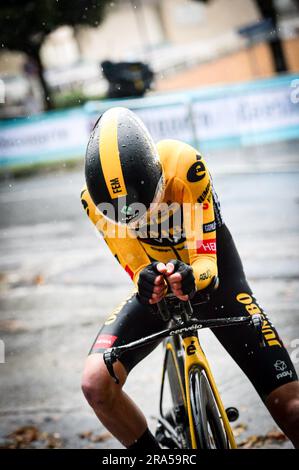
(268, 330)
(104, 341)
(280, 365)
(287, 373)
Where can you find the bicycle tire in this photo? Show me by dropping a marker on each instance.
(208, 426)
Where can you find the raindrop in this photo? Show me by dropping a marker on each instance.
(142, 182)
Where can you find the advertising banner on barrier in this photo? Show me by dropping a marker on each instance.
(248, 117)
(220, 116)
(48, 137)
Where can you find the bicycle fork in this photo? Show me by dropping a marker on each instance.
(194, 355)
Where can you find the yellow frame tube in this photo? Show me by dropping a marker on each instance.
(198, 358)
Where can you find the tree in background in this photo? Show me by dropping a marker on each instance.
(24, 24)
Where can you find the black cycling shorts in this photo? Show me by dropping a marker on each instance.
(267, 368)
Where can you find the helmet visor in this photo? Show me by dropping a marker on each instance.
(143, 218)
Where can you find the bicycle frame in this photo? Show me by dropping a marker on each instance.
(194, 356)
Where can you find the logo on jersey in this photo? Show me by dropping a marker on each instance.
(197, 171)
(205, 194)
(210, 227)
(206, 246)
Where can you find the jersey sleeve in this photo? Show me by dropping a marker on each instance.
(195, 185)
(123, 244)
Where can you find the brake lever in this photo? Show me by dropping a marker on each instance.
(110, 357)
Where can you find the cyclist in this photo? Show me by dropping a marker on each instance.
(158, 212)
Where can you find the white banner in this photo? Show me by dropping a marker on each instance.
(261, 111)
(44, 137)
(242, 114)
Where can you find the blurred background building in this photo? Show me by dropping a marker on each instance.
(186, 43)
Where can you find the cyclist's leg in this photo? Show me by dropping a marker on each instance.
(118, 413)
(270, 369)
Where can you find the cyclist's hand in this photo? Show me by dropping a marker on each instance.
(181, 279)
(151, 284)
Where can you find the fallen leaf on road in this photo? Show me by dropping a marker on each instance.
(251, 441)
(85, 434)
(95, 437)
(239, 429)
(101, 437)
(259, 440)
(276, 436)
(24, 436)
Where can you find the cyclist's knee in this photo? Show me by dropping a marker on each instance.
(98, 387)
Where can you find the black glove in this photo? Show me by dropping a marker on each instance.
(188, 279)
(146, 282)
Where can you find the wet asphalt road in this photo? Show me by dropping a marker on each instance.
(58, 282)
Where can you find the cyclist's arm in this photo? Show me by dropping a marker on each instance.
(199, 220)
(126, 249)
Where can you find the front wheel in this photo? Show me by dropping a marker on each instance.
(208, 425)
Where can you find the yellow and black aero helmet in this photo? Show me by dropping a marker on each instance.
(122, 167)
